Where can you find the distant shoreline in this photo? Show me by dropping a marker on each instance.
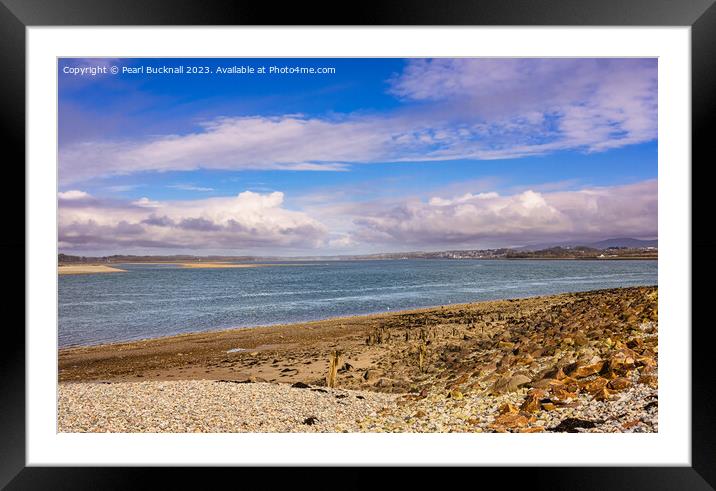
(216, 264)
(94, 268)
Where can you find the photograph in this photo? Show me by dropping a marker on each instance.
(357, 245)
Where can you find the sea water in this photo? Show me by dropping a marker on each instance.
(154, 300)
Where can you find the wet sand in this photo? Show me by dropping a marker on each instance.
(87, 269)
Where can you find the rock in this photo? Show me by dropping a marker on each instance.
(647, 369)
(506, 361)
(568, 341)
(464, 378)
(555, 373)
(455, 394)
(650, 380)
(346, 367)
(508, 408)
(570, 425)
(570, 384)
(525, 359)
(532, 403)
(603, 395)
(311, 420)
(548, 406)
(300, 385)
(562, 395)
(419, 414)
(646, 361)
(536, 353)
(510, 421)
(570, 368)
(623, 361)
(507, 383)
(372, 374)
(587, 370)
(383, 382)
(635, 343)
(610, 374)
(620, 383)
(546, 383)
(594, 386)
(580, 339)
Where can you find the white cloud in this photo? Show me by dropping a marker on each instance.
(73, 194)
(437, 201)
(528, 106)
(146, 203)
(489, 218)
(342, 241)
(466, 109)
(260, 223)
(239, 223)
(290, 143)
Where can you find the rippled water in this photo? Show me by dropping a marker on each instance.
(159, 300)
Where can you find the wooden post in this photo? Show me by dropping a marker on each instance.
(421, 357)
(333, 369)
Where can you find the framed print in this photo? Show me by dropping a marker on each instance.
(419, 236)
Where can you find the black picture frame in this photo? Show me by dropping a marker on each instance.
(700, 15)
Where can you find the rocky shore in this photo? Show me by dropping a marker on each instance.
(580, 362)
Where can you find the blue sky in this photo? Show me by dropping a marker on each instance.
(379, 155)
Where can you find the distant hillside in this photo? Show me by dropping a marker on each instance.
(68, 259)
(623, 242)
(605, 250)
(602, 244)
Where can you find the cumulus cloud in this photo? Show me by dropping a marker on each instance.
(73, 194)
(341, 241)
(492, 219)
(261, 224)
(146, 203)
(453, 109)
(237, 223)
(437, 201)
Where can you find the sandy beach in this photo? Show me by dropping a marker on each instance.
(87, 269)
(571, 362)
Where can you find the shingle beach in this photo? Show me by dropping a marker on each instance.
(578, 362)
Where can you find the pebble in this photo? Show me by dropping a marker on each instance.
(211, 406)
